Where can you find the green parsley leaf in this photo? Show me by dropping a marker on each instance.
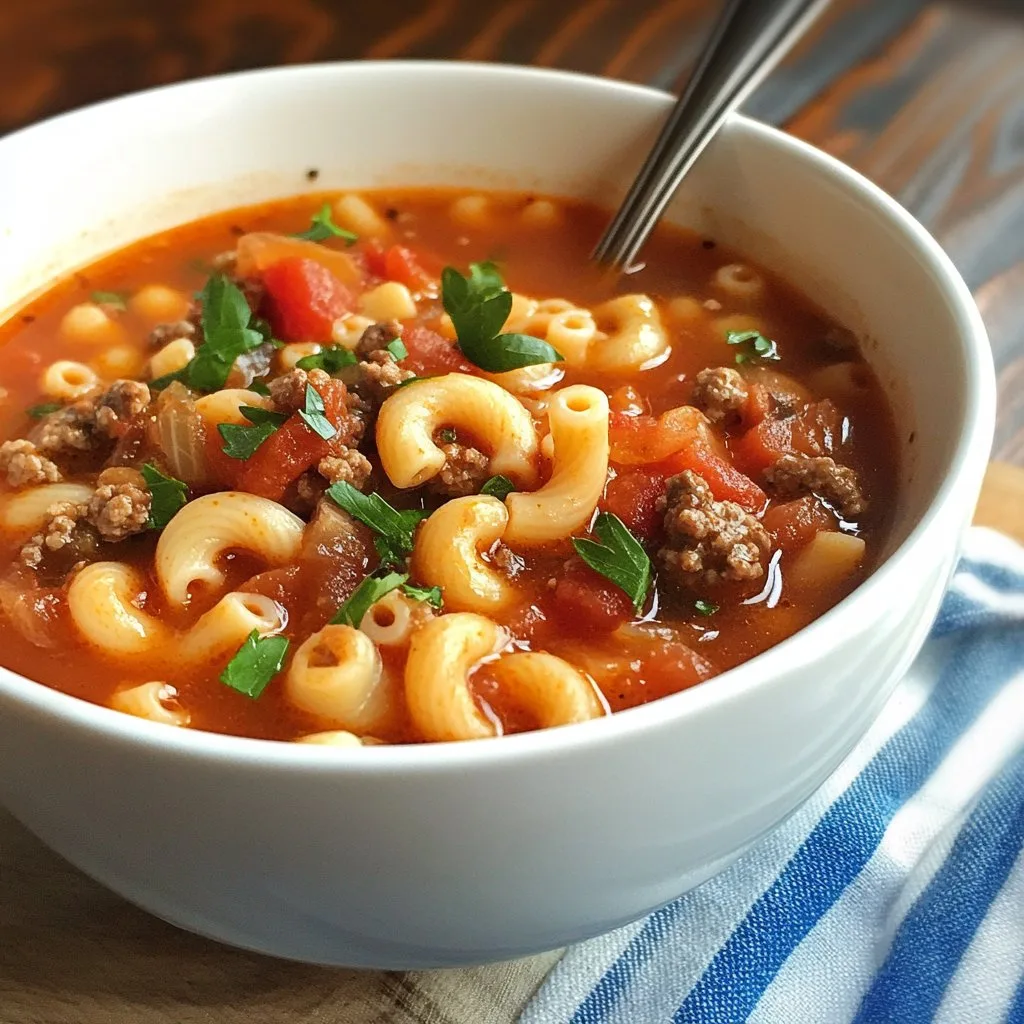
(159, 383)
(228, 331)
(448, 436)
(331, 359)
(397, 349)
(314, 415)
(260, 387)
(257, 661)
(618, 557)
(705, 607)
(479, 306)
(394, 527)
(432, 595)
(756, 346)
(169, 495)
(413, 380)
(323, 227)
(37, 412)
(110, 299)
(242, 440)
(365, 596)
(499, 487)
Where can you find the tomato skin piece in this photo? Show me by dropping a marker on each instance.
(727, 483)
(292, 449)
(795, 523)
(430, 354)
(259, 250)
(633, 497)
(304, 299)
(589, 601)
(671, 668)
(641, 440)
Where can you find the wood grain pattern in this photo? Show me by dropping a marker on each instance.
(926, 98)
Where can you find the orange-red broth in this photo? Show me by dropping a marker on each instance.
(540, 259)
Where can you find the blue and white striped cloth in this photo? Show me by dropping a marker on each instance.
(895, 895)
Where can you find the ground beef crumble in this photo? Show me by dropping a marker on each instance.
(120, 403)
(24, 466)
(709, 541)
(464, 472)
(378, 372)
(92, 421)
(289, 390)
(719, 392)
(347, 465)
(120, 505)
(58, 533)
(794, 475)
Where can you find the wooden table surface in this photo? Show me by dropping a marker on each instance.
(925, 98)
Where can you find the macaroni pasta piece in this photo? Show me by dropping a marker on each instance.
(578, 416)
(637, 337)
(67, 380)
(551, 689)
(174, 356)
(206, 528)
(102, 599)
(226, 625)
(27, 510)
(441, 656)
(390, 622)
(447, 554)
(225, 406)
(154, 701)
(412, 415)
(336, 738)
(337, 675)
(388, 301)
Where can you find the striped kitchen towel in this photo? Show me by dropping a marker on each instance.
(895, 895)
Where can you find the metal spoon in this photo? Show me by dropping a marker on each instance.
(748, 40)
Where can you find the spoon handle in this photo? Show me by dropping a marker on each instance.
(748, 40)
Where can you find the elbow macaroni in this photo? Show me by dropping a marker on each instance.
(390, 622)
(578, 416)
(411, 416)
(154, 701)
(28, 510)
(445, 652)
(226, 625)
(204, 529)
(636, 340)
(102, 599)
(441, 656)
(67, 380)
(337, 675)
(447, 554)
(225, 406)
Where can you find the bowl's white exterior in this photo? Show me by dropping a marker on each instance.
(458, 853)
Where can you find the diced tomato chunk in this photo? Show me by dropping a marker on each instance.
(641, 440)
(671, 668)
(292, 449)
(588, 601)
(431, 354)
(758, 405)
(633, 497)
(304, 299)
(727, 483)
(814, 432)
(259, 250)
(398, 263)
(795, 523)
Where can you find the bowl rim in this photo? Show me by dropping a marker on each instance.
(967, 461)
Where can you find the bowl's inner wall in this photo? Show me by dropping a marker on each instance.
(82, 186)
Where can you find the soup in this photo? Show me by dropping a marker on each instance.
(402, 467)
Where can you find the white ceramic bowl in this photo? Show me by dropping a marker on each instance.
(458, 853)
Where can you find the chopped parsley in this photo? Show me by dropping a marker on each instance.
(397, 350)
(314, 415)
(331, 360)
(413, 380)
(499, 487)
(114, 299)
(242, 440)
(479, 305)
(260, 387)
(394, 528)
(37, 412)
(618, 556)
(365, 596)
(323, 227)
(256, 662)
(168, 496)
(705, 607)
(229, 330)
(448, 436)
(754, 346)
(431, 595)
